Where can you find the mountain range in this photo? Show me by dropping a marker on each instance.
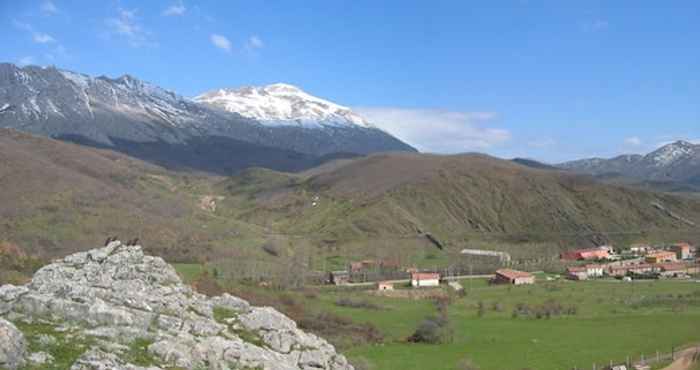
(675, 167)
(277, 126)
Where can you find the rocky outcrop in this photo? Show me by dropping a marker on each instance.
(116, 300)
(12, 346)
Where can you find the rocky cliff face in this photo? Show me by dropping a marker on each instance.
(116, 308)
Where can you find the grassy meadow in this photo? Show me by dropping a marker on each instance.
(611, 320)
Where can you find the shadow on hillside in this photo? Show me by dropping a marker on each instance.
(212, 154)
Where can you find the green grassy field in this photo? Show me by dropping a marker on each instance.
(612, 320)
(610, 324)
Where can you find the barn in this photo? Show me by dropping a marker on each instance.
(425, 279)
(515, 277)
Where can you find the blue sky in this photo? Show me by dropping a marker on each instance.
(550, 80)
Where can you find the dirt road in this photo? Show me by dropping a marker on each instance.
(686, 360)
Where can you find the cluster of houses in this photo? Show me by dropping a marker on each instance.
(676, 260)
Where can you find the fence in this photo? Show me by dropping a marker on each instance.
(646, 361)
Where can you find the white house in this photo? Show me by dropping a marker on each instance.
(594, 270)
(425, 279)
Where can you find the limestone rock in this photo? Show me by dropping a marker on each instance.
(40, 358)
(117, 295)
(96, 359)
(13, 347)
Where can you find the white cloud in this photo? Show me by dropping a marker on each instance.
(38, 37)
(595, 25)
(126, 24)
(42, 38)
(48, 7)
(26, 61)
(176, 9)
(255, 42)
(437, 131)
(633, 141)
(221, 42)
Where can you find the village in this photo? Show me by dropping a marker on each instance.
(637, 262)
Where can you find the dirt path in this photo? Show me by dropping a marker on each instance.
(685, 362)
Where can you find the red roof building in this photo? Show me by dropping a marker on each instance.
(515, 277)
(682, 250)
(660, 257)
(590, 254)
(425, 279)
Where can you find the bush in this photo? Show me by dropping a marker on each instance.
(347, 302)
(432, 330)
(270, 249)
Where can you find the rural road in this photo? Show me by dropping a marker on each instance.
(685, 362)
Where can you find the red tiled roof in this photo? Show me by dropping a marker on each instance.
(671, 266)
(661, 254)
(513, 274)
(425, 276)
(576, 269)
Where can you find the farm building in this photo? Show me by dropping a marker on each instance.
(590, 254)
(385, 285)
(508, 276)
(425, 279)
(671, 269)
(594, 270)
(576, 273)
(636, 269)
(640, 249)
(660, 257)
(682, 250)
(339, 277)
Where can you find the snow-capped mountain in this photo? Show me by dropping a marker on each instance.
(674, 162)
(282, 105)
(145, 120)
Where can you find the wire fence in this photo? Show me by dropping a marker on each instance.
(648, 361)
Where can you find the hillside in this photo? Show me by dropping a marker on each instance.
(59, 197)
(460, 199)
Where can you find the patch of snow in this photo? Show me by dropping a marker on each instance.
(81, 80)
(53, 107)
(282, 105)
(671, 153)
(4, 107)
(35, 106)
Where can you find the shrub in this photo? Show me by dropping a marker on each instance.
(347, 302)
(432, 330)
(270, 249)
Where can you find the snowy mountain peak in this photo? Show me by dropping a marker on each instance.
(282, 104)
(673, 152)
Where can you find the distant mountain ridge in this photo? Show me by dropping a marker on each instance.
(160, 126)
(677, 162)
